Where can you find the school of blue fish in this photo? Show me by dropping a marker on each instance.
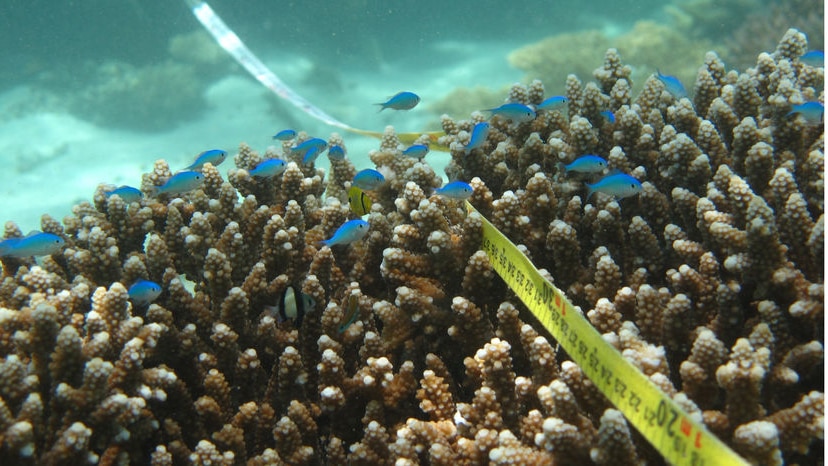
(292, 303)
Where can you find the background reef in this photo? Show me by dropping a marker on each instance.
(673, 40)
(711, 281)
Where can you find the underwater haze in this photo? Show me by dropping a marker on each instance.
(95, 91)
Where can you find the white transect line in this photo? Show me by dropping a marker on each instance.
(230, 42)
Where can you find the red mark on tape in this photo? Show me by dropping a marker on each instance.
(686, 427)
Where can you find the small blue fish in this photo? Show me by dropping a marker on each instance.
(350, 231)
(455, 190)
(181, 182)
(292, 305)
(586, 164)
(311, 155)
(35, 244)
(514, 111)
(336, 152)
(285, 135)
(478, 136)
(368, 179)
(812, 112)
(608, 116)
(672, 84)
(269, 168)
(815, 58)
(619, 185)
(557, 102)
(212, 156)
(309, 149)
(417, 151)
(303, 147)
(401, 101)
(127, 193)
(144, 292)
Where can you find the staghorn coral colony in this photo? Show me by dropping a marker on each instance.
(710, 281)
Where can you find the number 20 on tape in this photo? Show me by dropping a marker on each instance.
(679, 438)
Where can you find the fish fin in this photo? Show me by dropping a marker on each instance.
(7, 246)
(590, 191)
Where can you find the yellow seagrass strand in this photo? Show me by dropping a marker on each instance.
(679, 438)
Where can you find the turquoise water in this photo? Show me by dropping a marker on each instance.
(95, 91)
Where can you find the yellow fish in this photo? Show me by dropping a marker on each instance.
(351, 314)
(359, 201)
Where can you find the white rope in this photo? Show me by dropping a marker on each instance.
(230, 42)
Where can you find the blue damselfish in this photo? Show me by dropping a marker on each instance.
(514, 111)
(417, 151)
(285, 135)
(586, 164)
(608, 116)
(455, 190)
(812, 112)
(368, 179)
(672, 84)
(619, 185)
(213, 156)
(36, 244)
(313, 143)
(336, 152)
(815, 58)
(478, 136)
(557, 102)
(181, 182)
(350, 231)
(144, 292)
(127, 193)
(268, 168)
(401, 101)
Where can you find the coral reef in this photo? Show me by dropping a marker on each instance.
(158, 94)
(646, 47)
(710, 281)
(746, 27)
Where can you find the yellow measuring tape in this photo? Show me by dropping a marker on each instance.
(680, 439)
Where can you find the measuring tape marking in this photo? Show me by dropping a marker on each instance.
(679, 438)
